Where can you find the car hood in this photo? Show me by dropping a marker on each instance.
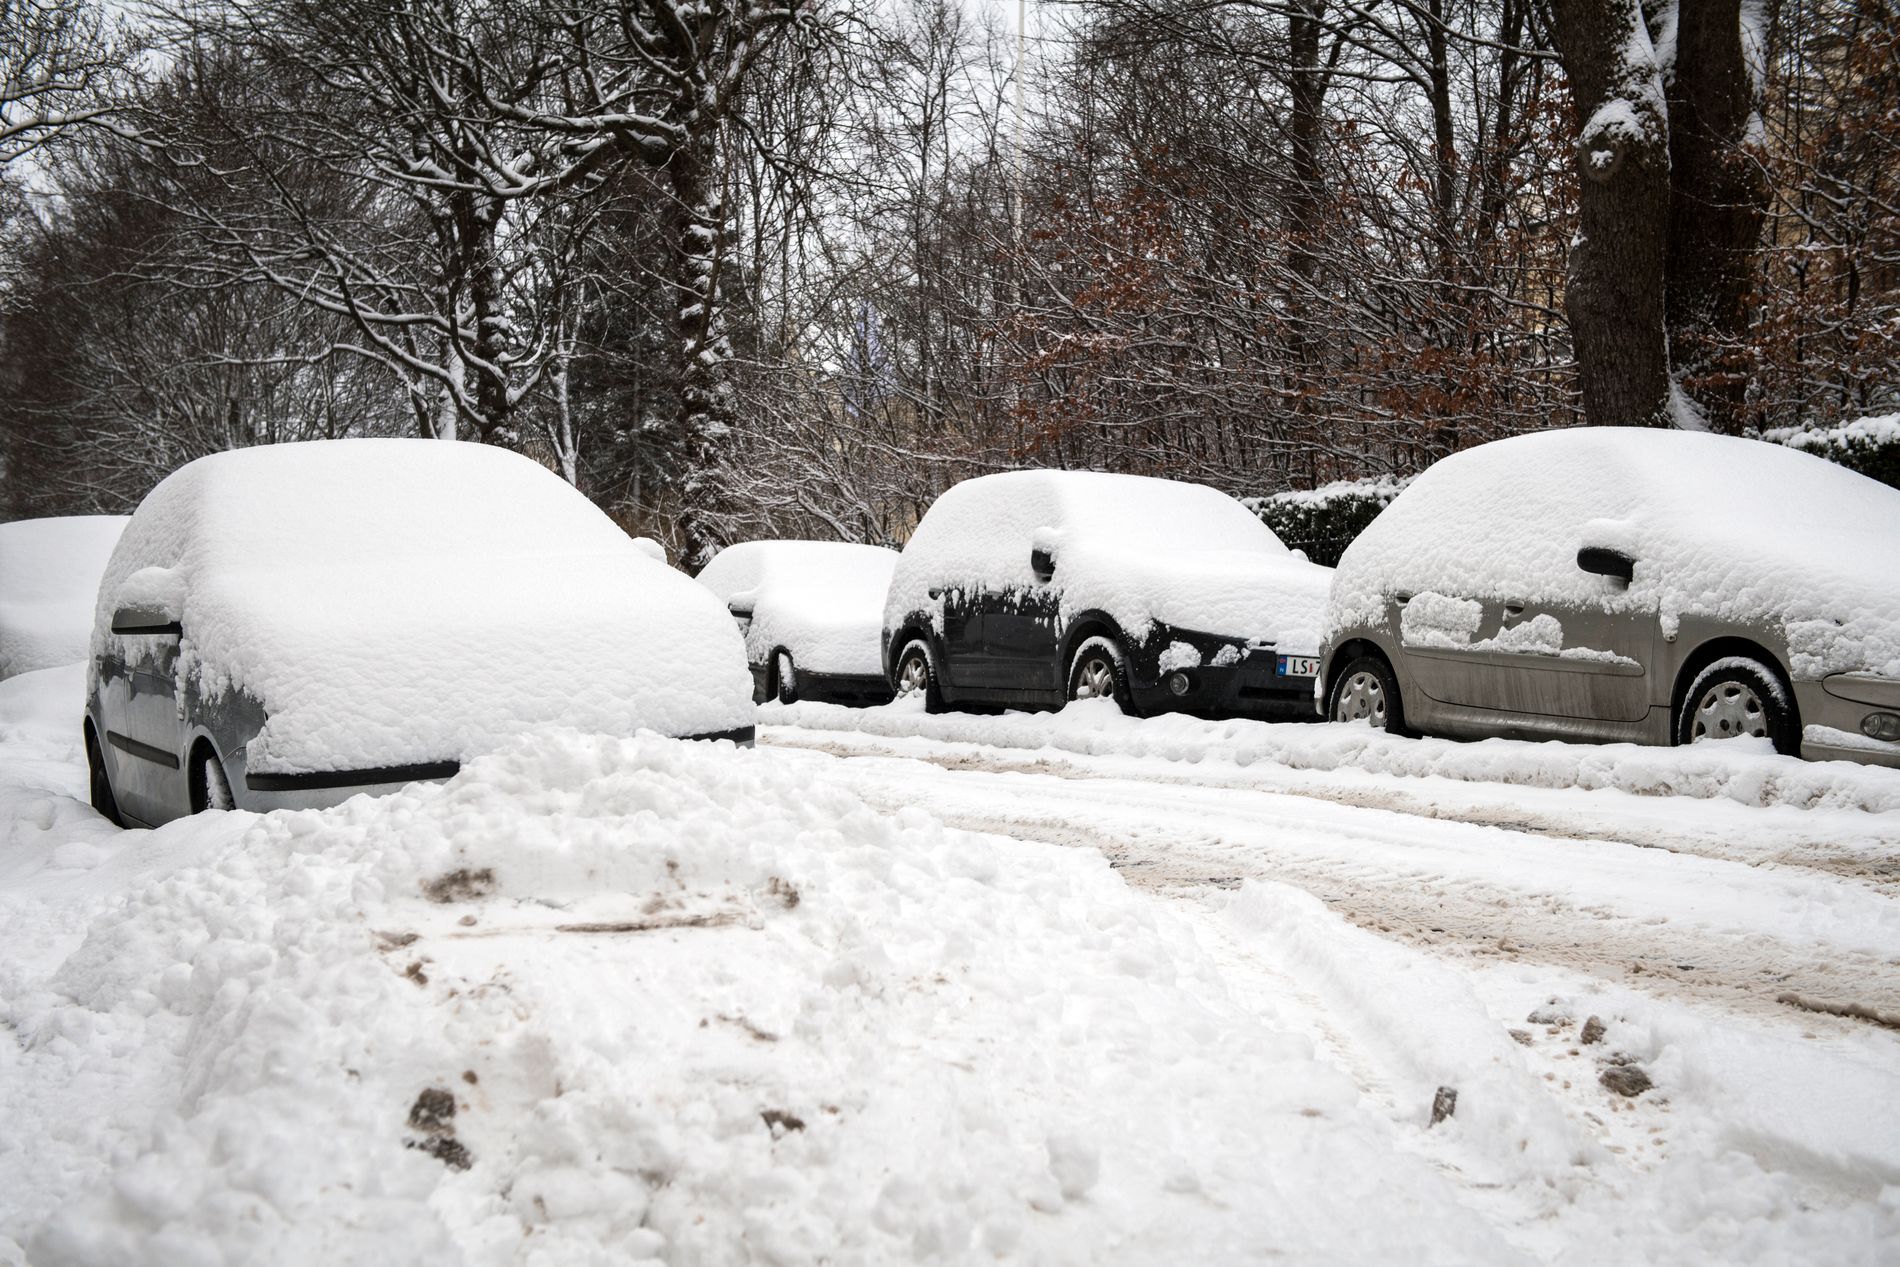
(1240, 594)
(364, 668)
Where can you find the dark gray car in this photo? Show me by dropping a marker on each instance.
(1619, 584)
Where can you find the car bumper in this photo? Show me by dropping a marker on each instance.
(1832, 719)
(263, 791)
(1251, 688)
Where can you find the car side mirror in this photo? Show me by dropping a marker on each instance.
(1603, 561)
(1043, 564)
(151, 601)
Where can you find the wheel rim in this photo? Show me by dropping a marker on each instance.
(1094, 679)
(1361, 698)
(1729, 710)
(913, 675)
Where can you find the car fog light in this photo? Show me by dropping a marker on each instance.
(1178, 683)
(1885, 726)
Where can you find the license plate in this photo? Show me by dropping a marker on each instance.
(1297, 666)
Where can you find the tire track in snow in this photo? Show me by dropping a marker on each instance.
(1876, 863)
(1422, 879)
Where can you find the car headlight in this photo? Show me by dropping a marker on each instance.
(1882, 726)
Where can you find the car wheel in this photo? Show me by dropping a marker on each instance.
(1736, 697)
(101, 783)
(917, 676)
(1367, 691)
(786, 676)
(210, 788)
(1099, 670)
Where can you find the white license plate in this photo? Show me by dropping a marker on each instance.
(1298, 666)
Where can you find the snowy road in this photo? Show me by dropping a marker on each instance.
(1757, 908)
(1063, 988)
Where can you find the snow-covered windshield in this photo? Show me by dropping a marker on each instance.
(1156, 514)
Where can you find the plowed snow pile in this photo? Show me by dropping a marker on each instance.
(604, 1001)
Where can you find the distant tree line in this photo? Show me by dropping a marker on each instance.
(749, 267)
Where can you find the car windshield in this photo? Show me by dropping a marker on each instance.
(377, 503)
(1161, 515)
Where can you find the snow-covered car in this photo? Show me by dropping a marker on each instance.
(49, 581)
(1031, 588)
(289, 625)
(811, 612)
(1623, 584)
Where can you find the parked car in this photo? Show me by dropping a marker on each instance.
(293, 624)
(49, 581)
(811, 613)
(1032, 588)
(1620, 584)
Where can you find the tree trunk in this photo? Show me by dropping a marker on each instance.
(1615, 292)
(1718, 200)
(704, 395)
(1306, 85)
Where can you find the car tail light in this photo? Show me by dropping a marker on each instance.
(1883, 726)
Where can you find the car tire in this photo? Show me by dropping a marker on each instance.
(917, 672)
(785, 677)
(1367, 690)
(1738, 696)
(1099, 668)
(210, 787)
(101, 783)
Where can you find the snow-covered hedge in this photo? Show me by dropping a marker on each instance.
(1323, 521)
(1868, 445)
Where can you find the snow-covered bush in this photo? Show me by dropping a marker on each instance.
(1868, 445)
(1323, 521)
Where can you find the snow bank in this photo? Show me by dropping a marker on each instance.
(1728, 771)
(49, 581)
(1142, 550)
(823, 601)
(398, 601)
(603, 1000)
(1781, 540)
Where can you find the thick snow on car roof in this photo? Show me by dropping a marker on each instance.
(49, 581)
(820, 601)
(398, 601)
(1735, 529)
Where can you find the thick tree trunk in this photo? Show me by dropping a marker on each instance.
(1306, 84)
(1615, 292)
(1719, 198)
(704, 395)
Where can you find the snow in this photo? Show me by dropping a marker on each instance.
(399, 601)
(1791, 541)
(1138, 549)
(1740, 772)
(823, 601)
(703, 1007)
(1377, 488)
(1875, 431)
(49, 581)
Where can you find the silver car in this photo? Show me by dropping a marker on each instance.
(1609, 584)
(290, 625)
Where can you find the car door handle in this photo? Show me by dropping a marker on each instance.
(1513, 609)
(1401, 599)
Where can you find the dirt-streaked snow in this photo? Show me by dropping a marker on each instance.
(897, 988)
